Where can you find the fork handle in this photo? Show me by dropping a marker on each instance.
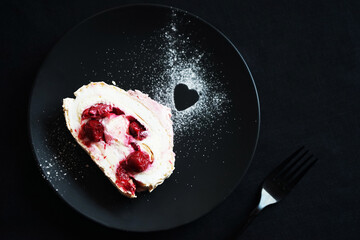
(250, 218)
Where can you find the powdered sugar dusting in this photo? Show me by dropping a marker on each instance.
(186, 64)
(191, 72)
(62, 157)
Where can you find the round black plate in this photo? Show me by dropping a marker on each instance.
(150, 48)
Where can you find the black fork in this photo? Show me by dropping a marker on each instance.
(282, 180)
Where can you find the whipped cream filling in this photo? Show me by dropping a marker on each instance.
(155, 117)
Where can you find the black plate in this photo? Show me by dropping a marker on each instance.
(151, 48)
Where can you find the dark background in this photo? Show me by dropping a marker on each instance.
(305, 59)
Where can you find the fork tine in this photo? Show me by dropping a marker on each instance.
(282, 165)
(288, 171)
(301, 174)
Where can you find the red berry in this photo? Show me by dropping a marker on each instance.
(93, 113)
(137, 161)
(85, 114)
(137, 130)
(103, 110)
(123, 180)
(135, 146)
(117, 111)
(99, 111)
(92, 131)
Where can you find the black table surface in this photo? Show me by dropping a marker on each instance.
(305, 59)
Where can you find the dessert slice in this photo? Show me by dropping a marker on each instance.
(127, 134)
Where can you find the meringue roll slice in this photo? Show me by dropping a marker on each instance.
(128, 135)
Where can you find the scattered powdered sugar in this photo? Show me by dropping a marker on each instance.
(195, 72)
(179, 59)
(62, 158)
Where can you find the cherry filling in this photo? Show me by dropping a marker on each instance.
(124, 181)
(99, 111)
(136, 129)
(135, 162)
(135, 146)
(91, 131)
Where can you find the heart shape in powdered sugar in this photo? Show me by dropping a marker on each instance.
(184, 97)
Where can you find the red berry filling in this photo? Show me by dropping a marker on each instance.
(117, 111)
(136, 129)
(135, 146)
(91, 131)
(124, 181)
(99, 111)
(136, 162)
